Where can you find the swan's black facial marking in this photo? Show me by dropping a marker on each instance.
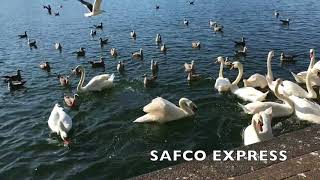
(260, 123)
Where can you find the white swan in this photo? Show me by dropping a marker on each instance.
(258, 80)
(245, 93)
(291, 88)
(60, 122)
(97, 83)
(259, 129)
(161, 110)
(301, 76)
(306, 109)
(278, 109)
(222, 84)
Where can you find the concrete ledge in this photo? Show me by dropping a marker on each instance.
(303, 152)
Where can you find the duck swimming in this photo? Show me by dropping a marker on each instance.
(185, 22)
(287, 58)
(81, 52)
(113, 52)
(93, 33)
(103, 41)
(154, 67)
(45, 66)
(189, 67)
(99, 26)
(32, 43)
(148, 81)
(96, 64)
(138, 55)
(120, 67)
(58, 46)
(133, 34)
(15, 85)
(196, 44)
(23, 35)
(16, 77)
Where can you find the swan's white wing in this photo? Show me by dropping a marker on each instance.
(159, 105)
(291, 88)
(222, 82)
(87, 5)
(53, 119)
(99, 82)
(96, 5)
(66, 120)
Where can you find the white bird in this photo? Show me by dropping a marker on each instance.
(259, 129)
(278, 109)
(301, 76)
(258, 80)
(222, 84)
(161, 110)
(245, 93)
(60, 122)
(291, 88)
(94, 9)
(97, 83)
(306, 109)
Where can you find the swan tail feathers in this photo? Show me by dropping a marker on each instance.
(143, 119)
(263, 97)
(111, 78)
(246, 110)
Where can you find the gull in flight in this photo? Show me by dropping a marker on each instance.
(94, 9)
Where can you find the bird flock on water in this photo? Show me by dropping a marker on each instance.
(293, 98)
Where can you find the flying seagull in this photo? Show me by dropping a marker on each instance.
(94, 9)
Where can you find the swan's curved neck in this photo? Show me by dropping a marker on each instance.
(312, 62)
(185, 108)
(269, 68)
(83, 75)
(282, 97)
(221, 69)
(240, 73)
(311, 92)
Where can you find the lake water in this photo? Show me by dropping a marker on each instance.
(106, 144)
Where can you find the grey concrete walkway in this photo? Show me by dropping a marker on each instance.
(303, 152)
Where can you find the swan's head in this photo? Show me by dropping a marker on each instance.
(236, 65)
(220, 59)
(271, 54)
(312, 52)
(191, 105)
(262, 121)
